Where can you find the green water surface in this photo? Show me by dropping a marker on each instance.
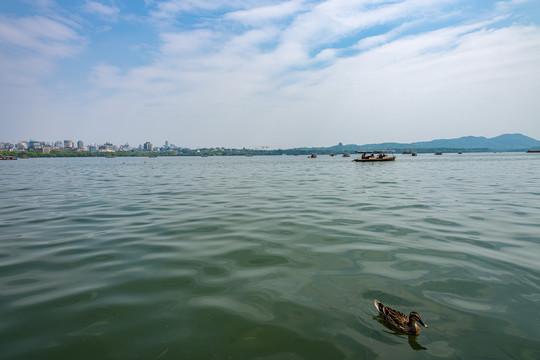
(276, 257)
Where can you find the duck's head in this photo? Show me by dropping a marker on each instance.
(416, 317)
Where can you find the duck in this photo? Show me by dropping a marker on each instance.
(398, 320)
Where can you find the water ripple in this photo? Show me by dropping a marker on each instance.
(269, 257)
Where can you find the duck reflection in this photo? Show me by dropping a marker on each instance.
(413, 343)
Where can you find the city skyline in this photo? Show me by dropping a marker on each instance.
(79, 144)
(503, 142)
(269, 73)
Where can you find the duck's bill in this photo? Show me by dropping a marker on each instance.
(422, 322)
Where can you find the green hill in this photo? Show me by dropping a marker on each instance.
(506, 142)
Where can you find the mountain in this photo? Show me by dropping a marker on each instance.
(506, 142)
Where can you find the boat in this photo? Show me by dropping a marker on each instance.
(8, 157)
(414, 154)
(438, 153)
(375, 156)
(313, 156)
(346, 155)
(533, 151)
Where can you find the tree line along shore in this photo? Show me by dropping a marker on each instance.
(218, 152)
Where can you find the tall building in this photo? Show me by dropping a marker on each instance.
(167, 145)
(80, 144)
(68, 144)
(148, 146)
(108, 146)
(22, 145)
(33, 144)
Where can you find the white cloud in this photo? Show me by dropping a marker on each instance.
(29, 50)
(257, 15)
(171, 8)
(98, 8)
(188, 44)
(40, 35)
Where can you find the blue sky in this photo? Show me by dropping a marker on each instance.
(249, 73)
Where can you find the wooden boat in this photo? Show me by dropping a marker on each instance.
(346, 155)
(374, 156)
(313, 156)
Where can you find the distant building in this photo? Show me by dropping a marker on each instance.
(166, 145)
(7, 146)
(148, 146)
(107, 147)
(68, 144)
(80, 144)
(33, 144)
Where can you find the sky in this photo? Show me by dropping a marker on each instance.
(278, 74)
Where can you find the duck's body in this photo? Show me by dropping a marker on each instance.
(398, 320)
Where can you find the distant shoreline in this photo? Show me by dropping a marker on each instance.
(231, 152)
(467, 144)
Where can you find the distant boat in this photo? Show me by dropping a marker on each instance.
(375, 156)
(533, 151)
(8, 157)
(414, 154)
(313, 156)
(438, 153)
(346, 155)
(152, 156)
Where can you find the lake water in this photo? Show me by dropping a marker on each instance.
(276, 257)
